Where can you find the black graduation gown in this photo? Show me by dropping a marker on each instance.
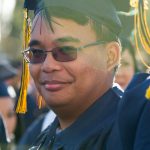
(109, 124)
(89, 132)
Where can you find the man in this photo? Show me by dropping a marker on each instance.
(73, 55)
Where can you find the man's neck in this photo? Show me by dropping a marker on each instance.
(70, 114)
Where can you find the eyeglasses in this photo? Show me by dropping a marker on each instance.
(62, 54)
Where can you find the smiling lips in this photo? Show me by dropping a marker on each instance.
(54, 85)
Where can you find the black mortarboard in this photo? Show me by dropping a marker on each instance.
(30, 4)
(3, 90)
(6, 71)
(127, 25)
(99, 10)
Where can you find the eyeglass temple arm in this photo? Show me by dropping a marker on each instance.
(92, 44)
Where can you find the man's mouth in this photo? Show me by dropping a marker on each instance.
(54, 85)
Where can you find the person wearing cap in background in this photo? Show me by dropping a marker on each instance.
(3, 130)
(128, 66)
(7, 110)
(7, 101)
(23, 121)
(73, 55)
(6, 70)
(7, 73)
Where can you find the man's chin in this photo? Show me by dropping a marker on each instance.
(55, 103)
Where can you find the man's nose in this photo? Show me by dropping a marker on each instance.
(50, 64)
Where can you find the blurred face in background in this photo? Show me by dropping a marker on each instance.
(9, 116)
(126, 70)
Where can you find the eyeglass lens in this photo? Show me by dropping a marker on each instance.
(63, 54)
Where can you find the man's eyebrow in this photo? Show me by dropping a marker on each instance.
(59, 40)
(67, 39)
(34, 43)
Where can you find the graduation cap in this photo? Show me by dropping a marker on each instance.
(4, 140)
(104, 11)
(100, 11)
(7, 71)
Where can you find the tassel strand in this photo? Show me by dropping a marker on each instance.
(22, 102)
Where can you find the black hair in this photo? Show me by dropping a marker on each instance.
(102, 31)
(127, 45)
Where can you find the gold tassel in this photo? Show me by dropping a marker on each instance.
(141, 31)
(147, 95)
(136, 42)
(22, 102)
(144, 33)
(40, 99)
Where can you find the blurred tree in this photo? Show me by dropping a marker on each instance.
(12, 44)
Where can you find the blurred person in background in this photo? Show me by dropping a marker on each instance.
(7, 111)
(128, 65)
(3, 135)
(7, 100)
(24, 121)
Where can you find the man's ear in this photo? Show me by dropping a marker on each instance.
(113, 55)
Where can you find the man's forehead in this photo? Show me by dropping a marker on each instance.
(67, 29)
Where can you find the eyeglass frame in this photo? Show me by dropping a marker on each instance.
(77, 49)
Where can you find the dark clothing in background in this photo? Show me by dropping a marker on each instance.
(131, 130)
(3, 137)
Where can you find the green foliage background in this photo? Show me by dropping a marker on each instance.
(12, 44)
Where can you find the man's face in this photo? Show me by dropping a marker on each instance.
(76, 83)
